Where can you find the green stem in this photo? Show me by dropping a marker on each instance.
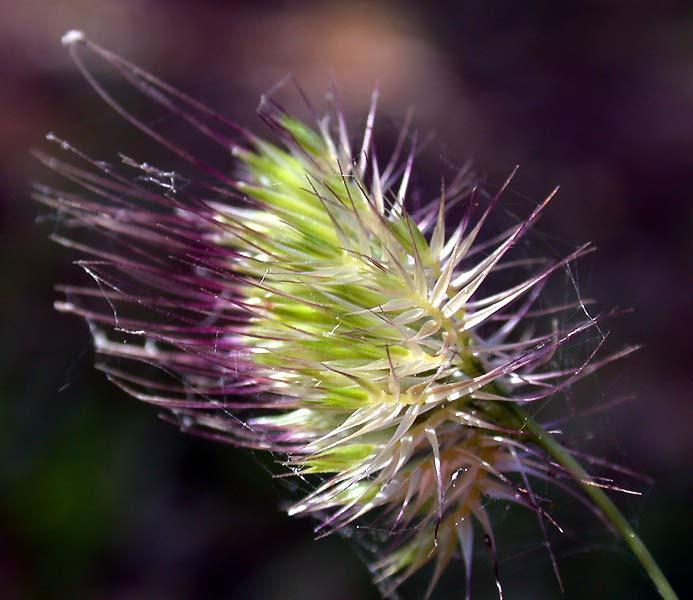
(546, 441)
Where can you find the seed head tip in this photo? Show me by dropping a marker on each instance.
(73, 36)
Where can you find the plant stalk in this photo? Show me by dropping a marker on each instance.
(613, 515)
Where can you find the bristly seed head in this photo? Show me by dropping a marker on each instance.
(302, 308)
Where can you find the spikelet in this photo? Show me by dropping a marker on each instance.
(300, 307)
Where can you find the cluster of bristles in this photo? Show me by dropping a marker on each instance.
(299, 307)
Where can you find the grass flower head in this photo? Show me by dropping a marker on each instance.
(300, 305)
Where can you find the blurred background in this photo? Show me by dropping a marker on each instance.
(100, 499)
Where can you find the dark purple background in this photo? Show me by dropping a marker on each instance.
(100, 499)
